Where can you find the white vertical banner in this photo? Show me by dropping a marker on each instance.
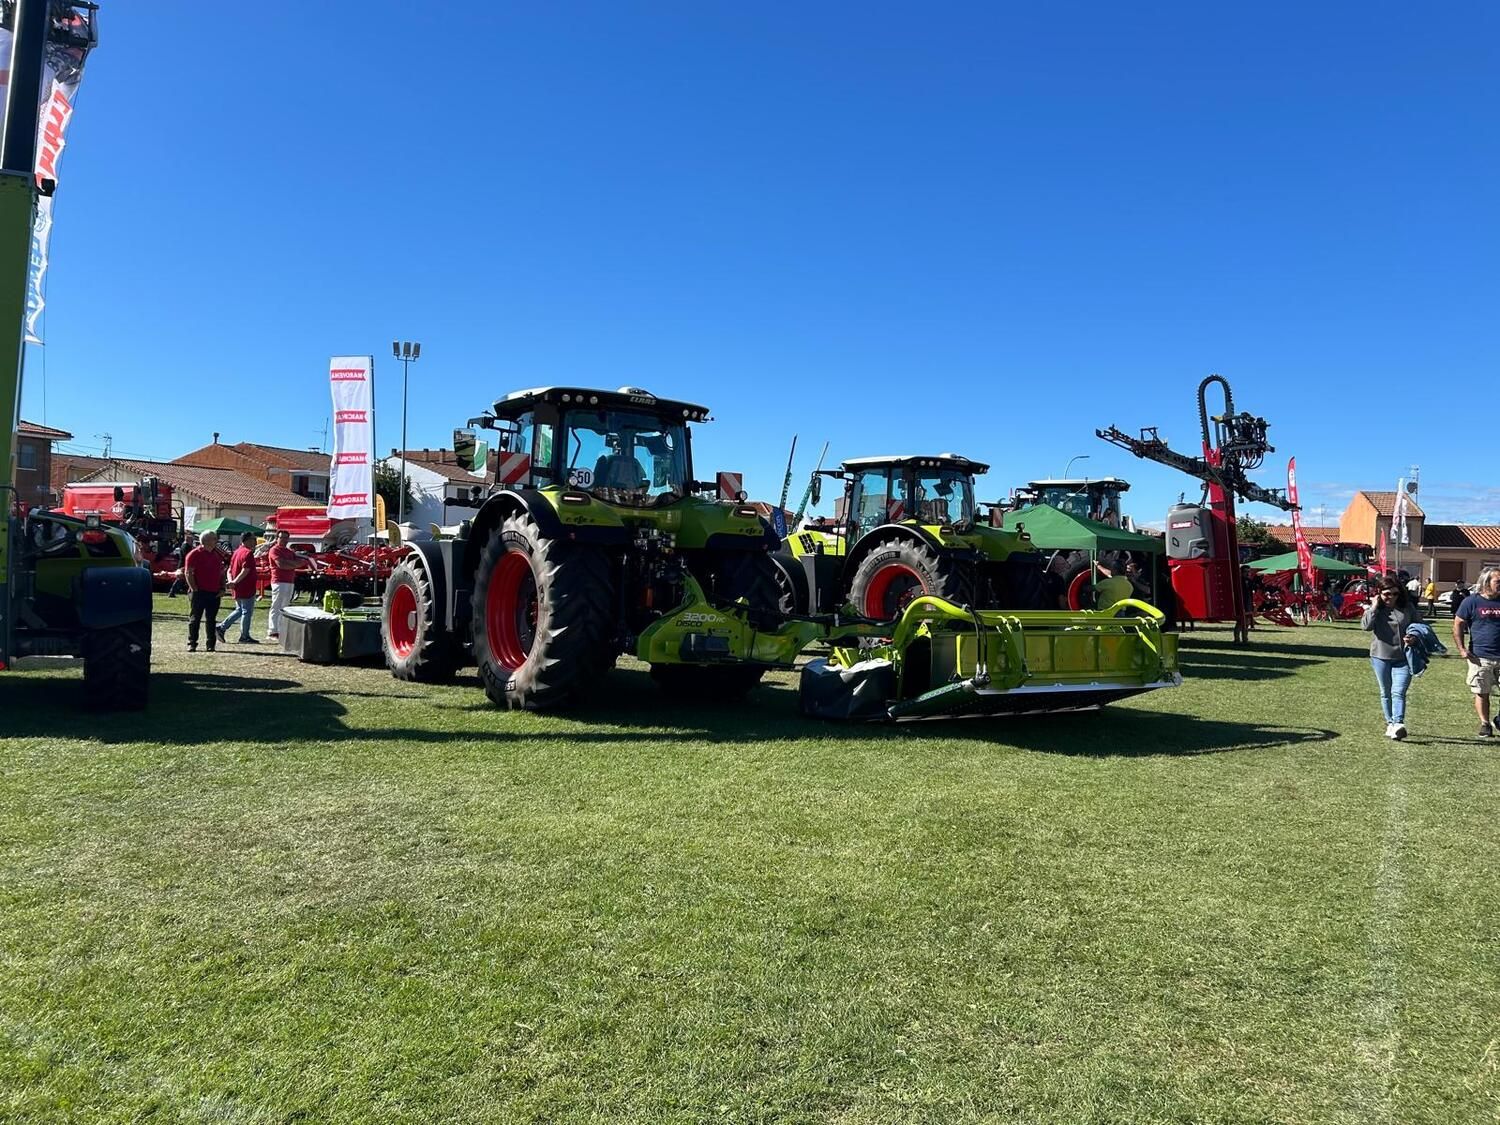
(350, 481)
(69, 40)
(1398, 519)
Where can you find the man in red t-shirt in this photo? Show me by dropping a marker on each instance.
(203, 571)
(242, 586)
(284, 563)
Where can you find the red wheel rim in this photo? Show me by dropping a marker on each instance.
(1076, 588)
(402, 608)
(510, 609)
(891, 588)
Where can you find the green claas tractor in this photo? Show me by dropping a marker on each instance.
(594, 541)
(905, 527)
(593, 527)
(68, 587)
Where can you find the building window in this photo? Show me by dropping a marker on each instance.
(26, 455)
(1450, 570)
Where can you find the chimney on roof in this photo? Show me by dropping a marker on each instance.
(216, 437)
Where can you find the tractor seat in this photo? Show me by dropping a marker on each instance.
(620, 472)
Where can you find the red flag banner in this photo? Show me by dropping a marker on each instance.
(1304, 552)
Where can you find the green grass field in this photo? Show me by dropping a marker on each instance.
(289, 892)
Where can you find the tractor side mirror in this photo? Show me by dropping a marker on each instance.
(470, 453)
(817, 490)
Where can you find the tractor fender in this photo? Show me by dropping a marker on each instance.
(437, 564)
(110, 596)
(528, 501)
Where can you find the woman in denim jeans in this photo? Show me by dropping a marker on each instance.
(1388, 615)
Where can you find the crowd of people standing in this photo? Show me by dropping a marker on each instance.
(206, 573)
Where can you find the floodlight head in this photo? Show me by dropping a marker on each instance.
(416, 351)
(405, 349)
(396, 349)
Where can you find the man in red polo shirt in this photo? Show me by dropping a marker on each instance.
(203, 571)
(242, 586)
(285, 563)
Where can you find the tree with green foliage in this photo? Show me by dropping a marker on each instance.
(1254, 533)
(388, 485)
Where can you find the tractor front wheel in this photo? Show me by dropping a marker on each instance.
(542, 617)
(894, 574)
(117, 667)
(416, 648)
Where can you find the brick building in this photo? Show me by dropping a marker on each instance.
(34, 462)
(300, 471)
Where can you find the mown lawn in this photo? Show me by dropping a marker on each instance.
(300, 893)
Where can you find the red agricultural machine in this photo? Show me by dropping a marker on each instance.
(143, 508)
(1202, 545)
(335, 561)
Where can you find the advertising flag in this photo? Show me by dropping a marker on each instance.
(1398, 520)
(1304, 552)
(70, 37)
(350, 481)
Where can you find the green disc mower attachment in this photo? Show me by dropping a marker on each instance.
(937, 660)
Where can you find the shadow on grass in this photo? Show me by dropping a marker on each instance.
(189, 708)
(1239, 665)
(1191, 646)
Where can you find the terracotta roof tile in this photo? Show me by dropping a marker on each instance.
(1385, 503)
(218, 486)
(446, 469)
(1461, 537)
(1282, 533)
(304, 460)
(31, 429)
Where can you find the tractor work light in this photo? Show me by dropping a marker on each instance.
(574, 498)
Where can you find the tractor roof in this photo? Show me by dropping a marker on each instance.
(517, 403)
(920, 461)
(1081, 483)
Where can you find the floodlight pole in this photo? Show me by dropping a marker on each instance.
(408, 352)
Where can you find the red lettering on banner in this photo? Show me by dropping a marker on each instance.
(342, 498)
(350, 459)
(342, 416)
(59, 110)
(347, 375)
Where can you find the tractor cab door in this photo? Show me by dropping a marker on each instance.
(872, 503)
(524, 458)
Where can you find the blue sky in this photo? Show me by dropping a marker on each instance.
(987, 228)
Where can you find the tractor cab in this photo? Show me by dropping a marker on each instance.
(1097, 499)
(928, 491)
(625, 448)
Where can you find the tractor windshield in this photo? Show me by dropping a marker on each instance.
(1099, 505)
(626, 457)
(940, 496)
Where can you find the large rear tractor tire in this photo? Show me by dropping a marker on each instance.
(726, 577)
(542, 617)
(416, 647)
(117, 667)
(891, 576)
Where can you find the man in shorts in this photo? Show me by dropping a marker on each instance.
(1476, 632)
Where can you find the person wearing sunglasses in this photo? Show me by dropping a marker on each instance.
(1388, 616)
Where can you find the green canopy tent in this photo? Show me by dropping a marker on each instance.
(1052, 529)
(1288, 561)
(223, 526)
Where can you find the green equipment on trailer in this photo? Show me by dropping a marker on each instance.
(906, 528)
(68, 586)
